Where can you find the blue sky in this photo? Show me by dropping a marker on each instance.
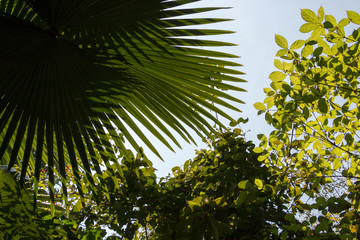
(256, 22)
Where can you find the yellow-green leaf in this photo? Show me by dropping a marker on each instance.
(259, 183)
(307, 50)
(258, 150)
(307, 27)
(297, 44)
(339, 139)
(331, 19)
(354, 17)
(260, 106)
(309, 16)
(278, 64)
(277, 76)
(321, 14)
(281, 41)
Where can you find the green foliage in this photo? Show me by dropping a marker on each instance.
(223, 193)
(19, 221)
(76, 74)
(313, 105)
(301, 182)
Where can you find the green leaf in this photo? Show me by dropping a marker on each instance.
(331, 19)
(258, 150)
(354, 17)
(277, 76)
(242, 197)
(297, 44)
(318, 51)
(306, 51)
(349, 139)
(339, 139)
(307, 27)
(281, 41)
(281, 52)
(343, 22)
(259, 106)
(278, 64)
(245, 184)
(259, 183)
(243, 120)
(321, 14)
(323, 106)
(309, 16)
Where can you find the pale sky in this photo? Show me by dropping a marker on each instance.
(256, 23)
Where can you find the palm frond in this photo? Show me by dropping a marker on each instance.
(75, 73)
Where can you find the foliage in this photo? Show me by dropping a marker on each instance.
(17, 219)
(224, 193)
(89, 69)
(313, 105)
(301, 182)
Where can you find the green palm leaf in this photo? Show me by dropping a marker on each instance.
(75, 74)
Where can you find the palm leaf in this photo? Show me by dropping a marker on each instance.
(75, 74)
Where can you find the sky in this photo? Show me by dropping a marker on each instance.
(255, 22)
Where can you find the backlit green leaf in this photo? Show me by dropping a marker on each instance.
(259, 183)
(309, 16)
(297, 44)
(321, 14)
(306, 51)
(277, 76)
(354, 17)
(307, 27)
(259, 106)
(281, 41)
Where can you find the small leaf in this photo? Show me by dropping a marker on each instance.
(349, 139)
(309, 16)
(281, 52)
(259, 106)
(258, 150)
(237, 131)
(321, 14)
(233, 123)
(244, 184)
(278, 64)
(331, 19)
(281, 41)
(344, 22)
(339, 139)
(318, 51)
(354, 17)
(259, 183)
(323, 106)
(277, 76)
(328, 25)
(306, 51)
(242, 120)
(242, 197)
(297, 44)
(307, 27)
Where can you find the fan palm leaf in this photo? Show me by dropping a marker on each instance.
(76, 74)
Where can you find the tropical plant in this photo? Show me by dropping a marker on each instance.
(77, 75)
